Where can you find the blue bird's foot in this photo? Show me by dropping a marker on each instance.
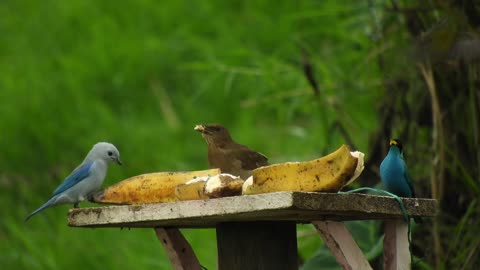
(91, 197)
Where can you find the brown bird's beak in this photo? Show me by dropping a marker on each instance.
(200, 128)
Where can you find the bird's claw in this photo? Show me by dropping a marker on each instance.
(90, 197)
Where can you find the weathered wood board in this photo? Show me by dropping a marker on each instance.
(300, 207)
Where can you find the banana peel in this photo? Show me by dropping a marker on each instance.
(327, 174)
(360, 165)
(148, 188)
(223, 185)
(217, 186)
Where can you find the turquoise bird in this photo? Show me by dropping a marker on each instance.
(394, 173)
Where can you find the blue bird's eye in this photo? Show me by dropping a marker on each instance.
(110, 153)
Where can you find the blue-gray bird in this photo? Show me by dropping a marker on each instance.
(85, 179)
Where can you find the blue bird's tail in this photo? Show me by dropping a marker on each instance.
(418, 220)
(49, 203)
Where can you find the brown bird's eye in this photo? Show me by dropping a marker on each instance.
(109, 153)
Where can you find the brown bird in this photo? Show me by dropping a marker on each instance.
(229, 156)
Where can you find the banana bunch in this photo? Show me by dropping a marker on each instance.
(327, 174)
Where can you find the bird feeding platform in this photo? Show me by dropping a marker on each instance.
(259, 231)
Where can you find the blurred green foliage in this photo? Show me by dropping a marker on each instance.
(141, 74)
(366, 234)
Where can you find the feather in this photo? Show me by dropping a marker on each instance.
(75, 177)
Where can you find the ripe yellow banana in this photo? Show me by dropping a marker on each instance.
(329, 174)
(148, 188)
(192, 190)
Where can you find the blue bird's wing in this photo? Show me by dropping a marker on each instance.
(76, 176)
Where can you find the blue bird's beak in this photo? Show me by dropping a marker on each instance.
(118, 161)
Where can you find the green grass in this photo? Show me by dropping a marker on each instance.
(141, 74)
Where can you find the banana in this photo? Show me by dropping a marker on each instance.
(328, 174)
(223, 185)
(148, 188)
(192, 190)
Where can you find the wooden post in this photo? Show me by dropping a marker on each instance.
(178, 250)
(342, 245)
(396, 250)
(257, 245)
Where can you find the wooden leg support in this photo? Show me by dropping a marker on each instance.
(396, 250)
(178, 250)
(257, 245)
(341, 243)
